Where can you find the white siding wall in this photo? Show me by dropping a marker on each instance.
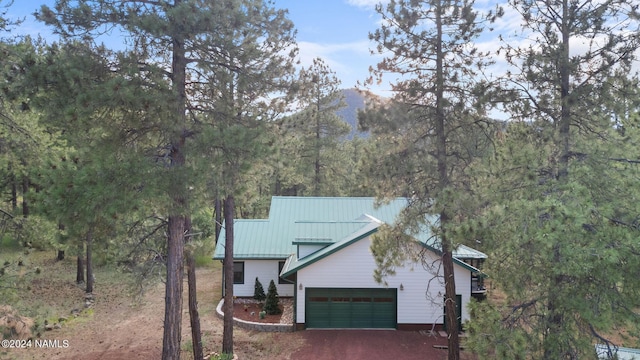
(304, 250)
(265, 271)
(420, 302)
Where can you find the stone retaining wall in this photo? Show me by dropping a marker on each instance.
(250, 325)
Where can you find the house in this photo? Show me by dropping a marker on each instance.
(614, 352)
(317, 250)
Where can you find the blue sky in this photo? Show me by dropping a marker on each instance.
(335, 30)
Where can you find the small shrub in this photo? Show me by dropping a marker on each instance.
(203, 260)
(258, 291)
(187, 346)
(217, 356)
(9, 243)
(272, 302)
(36, 232)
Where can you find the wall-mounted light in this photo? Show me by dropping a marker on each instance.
(300, 287)
(401, 287)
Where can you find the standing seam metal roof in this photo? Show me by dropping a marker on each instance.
(288, 216)
(329, 219)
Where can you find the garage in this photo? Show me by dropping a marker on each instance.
(351, 308)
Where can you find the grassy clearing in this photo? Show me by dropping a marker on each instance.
(8, 244)
(204, 260)
(53, 294)
(44, 289)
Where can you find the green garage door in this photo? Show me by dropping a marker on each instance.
(350, 308)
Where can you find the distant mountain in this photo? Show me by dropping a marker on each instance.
(356, 100)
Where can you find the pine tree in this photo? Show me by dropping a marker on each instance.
(272, 302)
(310, 140)
(562, 226)
(258, 292)
(247, 86)
(427, 134)
(236, 53)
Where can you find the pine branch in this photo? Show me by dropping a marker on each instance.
(521, 308)
(611, 348)
(628, 161)
(622, 223)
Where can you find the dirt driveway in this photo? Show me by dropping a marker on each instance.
(370, 345)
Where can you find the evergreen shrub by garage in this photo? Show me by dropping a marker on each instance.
(271, 305)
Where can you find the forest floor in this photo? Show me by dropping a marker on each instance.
(121, 326)
(118, 326)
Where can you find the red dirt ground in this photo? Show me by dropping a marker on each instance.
(251, 311)
(120, 330)
(371, 345)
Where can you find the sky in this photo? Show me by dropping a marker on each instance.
(334, 30)
(337, 31)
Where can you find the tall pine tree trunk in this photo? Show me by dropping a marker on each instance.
(278, 186)
(194, 316)
(227, 336)
(175, 247)
(14, 188)
(453, 341)
(555, 317)
(60, 256)
(218, 211)
(79, 270)
(25, 204)
(89, 287)
(316, 165)
(451, 316)
(173, 290)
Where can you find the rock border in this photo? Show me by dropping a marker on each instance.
(250, 325)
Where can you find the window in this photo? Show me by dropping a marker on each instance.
(319, 299)
(238, 272)
(383, 299)
(340, 299)
(360, 299)
(280, 266)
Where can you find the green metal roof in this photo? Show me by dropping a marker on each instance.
(326, 231)
(325, 209)
(255, 239)
(620, 353)
(291, 217)
(332, 221)
(465, 252)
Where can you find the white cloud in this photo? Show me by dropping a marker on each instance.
(331, 53)
(311, 50)
(508, 24)
(366, 3)
(349, 61)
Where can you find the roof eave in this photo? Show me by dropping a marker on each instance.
(254, 257)
(311, 259)
(455, 259)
